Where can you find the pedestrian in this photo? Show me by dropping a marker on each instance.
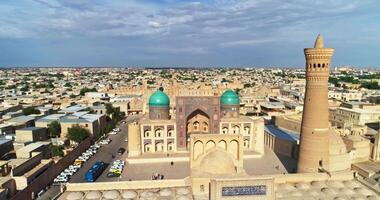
(171, 163)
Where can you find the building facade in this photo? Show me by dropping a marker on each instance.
(160, 132)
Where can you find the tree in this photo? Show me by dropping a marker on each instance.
(371, 85)
(54, 128)
(25, 88)
(67, 84)
(248, 85)
(109, 108)
(85, 89)
(112, 111)
(77, 133)
(56, 150)
(334, 80)
(30, 110)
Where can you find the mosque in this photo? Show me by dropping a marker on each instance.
(159, 132)
(218, 142)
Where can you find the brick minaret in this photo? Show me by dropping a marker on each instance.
(314, 143)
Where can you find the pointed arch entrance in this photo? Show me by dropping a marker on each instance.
(196, 114)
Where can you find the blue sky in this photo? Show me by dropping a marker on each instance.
(186, 33)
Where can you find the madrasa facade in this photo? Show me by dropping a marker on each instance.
(159, 131)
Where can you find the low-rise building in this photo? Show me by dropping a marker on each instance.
(31, 149)
(5, 147)
(354, 113)
(31, 134)
(95, 123)
(25, 170)
(22, 121)
(7, 187)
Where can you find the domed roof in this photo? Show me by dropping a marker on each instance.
(111, 194)
(74, 196)
(93, 195)
(218, 162)
(229, 97)
(129, 194)
(159, 98)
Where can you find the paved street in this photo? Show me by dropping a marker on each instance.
(105, 154)
(145, 171)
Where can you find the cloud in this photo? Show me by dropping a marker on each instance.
(190, 27)
(245, 42)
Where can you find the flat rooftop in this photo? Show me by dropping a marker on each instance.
(281, 133)
(30, 129)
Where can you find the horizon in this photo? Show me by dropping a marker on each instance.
(377, 70)
(185, 34)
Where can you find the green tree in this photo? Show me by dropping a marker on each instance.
(54, 128)
(30, 110)
(334, 80)
(25, 88)
(85, 89)
(77, 133)
(248, 85)
(67, 84)
(370, 85)
(109, 108)
(56, 150)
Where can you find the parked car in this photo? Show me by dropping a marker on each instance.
(112, 133)
(112, 174)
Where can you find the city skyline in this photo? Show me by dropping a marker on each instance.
(179, 33)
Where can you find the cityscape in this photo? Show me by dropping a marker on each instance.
(172, 100)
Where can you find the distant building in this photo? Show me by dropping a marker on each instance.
(354, 113)
(31, 134)
(95, 123)
(5, 147)
(72, 109)
(97, 96)
(30, 150)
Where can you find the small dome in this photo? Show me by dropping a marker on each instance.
(218, 162)
(129, 194)
(229, 97)
(93, 195)
(165, 192)
(182, 191)
(112, 194)
(159, 98)
(74, 196)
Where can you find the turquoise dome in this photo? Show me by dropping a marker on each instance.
(159, 98)
(229, 97)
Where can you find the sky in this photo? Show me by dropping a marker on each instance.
(181, 33)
